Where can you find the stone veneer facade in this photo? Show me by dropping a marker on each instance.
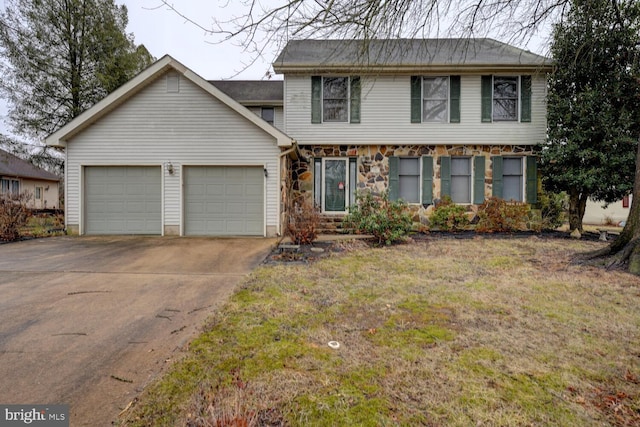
(373, 166)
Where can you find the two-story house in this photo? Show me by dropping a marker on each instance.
(172, 153)
(418, 118)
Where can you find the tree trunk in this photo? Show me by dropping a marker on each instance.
(626, 248)
(577, 205)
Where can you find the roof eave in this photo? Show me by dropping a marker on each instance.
(409, 69)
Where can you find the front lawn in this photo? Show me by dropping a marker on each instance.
(479, 332)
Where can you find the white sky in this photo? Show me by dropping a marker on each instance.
(164, 32)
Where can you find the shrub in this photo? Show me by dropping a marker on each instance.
(448, 216)
(13, 215)
(388, 221)
(497, 215)
(552, 209)
(303, 223)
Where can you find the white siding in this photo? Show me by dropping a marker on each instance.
(186, 128)
(385, 117)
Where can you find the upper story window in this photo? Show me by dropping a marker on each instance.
(335, 99)
(505, 98)
(268, 114)
(435, 99)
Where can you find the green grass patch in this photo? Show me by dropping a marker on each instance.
(479, 332)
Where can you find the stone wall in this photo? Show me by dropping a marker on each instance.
(373, 165)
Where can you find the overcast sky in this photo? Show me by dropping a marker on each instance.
(164, 32)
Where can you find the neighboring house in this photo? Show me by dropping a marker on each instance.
(171, 153)
(18, 176)
(419, 118)
(615, 213)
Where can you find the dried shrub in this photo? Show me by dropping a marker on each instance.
(448, 216)
(13, 215)
(303, 223)
(387, 221)
(496, 215)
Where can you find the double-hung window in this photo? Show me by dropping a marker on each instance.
(335, 99)
(505, 98)
(461, 179)
(409, 179)
(435, 99)
(512, 179)
(515, 178)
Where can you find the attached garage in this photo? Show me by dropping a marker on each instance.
(170, 154)
(122, 200)
(223, 201)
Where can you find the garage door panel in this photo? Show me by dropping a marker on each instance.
(233, 198)
(122, 200)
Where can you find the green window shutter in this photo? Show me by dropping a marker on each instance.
(496, 166)
(525, 99)
(454, 95)
(394, 180)
(416, 99)
(316, 99)
(532, 180)
(487, 98)
(445, 176)
(427, 180)
(478, 179)
(355, 100)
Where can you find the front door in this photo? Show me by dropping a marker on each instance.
(335, 185)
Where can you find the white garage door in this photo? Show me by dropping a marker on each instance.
(224, 201)
(122, 200)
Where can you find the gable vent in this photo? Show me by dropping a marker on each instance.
(173, 83)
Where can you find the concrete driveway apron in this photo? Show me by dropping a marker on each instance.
(90, 321)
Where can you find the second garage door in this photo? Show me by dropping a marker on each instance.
(224, 201)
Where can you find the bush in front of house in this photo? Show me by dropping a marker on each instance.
(552, 209)
(448, 216)
(303, 222)
(13, 215)
(387, 221)
(496, 215)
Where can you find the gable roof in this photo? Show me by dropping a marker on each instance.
(60, 137)
(253, 92)
(405, 55)
(13, 166)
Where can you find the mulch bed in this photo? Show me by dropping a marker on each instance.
(317, 250)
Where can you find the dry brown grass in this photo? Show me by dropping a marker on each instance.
(491, 332)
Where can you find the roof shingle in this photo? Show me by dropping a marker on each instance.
(398, 54)
(12, 166)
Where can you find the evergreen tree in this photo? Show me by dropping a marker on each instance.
(59, 57)
(592, 105)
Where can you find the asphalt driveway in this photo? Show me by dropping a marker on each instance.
(91, 321)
